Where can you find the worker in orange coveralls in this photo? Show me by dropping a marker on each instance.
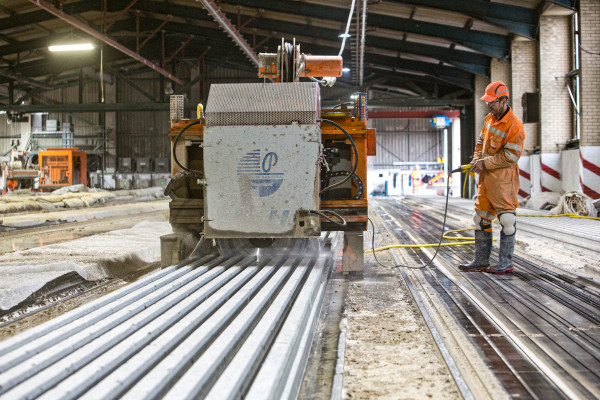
(416, 179)
(497, 152)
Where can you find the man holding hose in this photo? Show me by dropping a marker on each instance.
(498, 149)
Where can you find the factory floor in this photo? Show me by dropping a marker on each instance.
(388, 352)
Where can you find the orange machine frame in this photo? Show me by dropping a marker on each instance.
(62, 167)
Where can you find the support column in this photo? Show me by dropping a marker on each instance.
(590, 72)
(480, 108)
(11, 93)
(555, 63)
(501, 71)
(525, 80)
(589, 27)
(110, 96)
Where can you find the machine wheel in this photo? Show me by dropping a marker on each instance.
(261, 247)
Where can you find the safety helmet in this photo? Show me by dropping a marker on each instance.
(495, 90)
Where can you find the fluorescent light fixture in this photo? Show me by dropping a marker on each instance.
(71, 47)
(345, 69)
(344, 35)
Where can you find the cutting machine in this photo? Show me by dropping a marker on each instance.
(265, 168)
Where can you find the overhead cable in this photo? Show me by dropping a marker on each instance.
(347, 27)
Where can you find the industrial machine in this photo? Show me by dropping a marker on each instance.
(18, 171)
(62, 167)
(266, 168)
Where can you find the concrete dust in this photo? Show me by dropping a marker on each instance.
(106, 255)
(390, 353)
(580, 262)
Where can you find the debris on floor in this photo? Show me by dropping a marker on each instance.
(110, 254)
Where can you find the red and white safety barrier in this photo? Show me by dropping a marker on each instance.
(550, 177)
(589, 175)
(524, 177)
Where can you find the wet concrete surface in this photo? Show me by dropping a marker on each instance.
(320, 369)
(45, 235)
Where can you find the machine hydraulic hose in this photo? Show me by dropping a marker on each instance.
(351, 174)
(185, 128)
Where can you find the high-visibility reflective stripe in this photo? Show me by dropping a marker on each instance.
(495, 131)
(513, 146)
(499, 93)
(513, 157)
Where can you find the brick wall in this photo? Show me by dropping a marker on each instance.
(500, 72)
(590, 72)
(525, 79)
(555, 62)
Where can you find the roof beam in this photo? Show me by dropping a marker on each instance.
(34, 17)
(90, 31)
(403, 73)
(470, 62)
(183, 44)
(154, 32)
(231, 30)
(572, 4)
(519, 20)
(131, 83)
(27, 81)
(119, 15)
(28, 45)
(488, 43)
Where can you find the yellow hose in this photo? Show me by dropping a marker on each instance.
(395, 246)
(558, 215)
(468, 239)
(463, 240)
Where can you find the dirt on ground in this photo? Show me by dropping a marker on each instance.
(390, 353)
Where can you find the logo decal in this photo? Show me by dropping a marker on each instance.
(264, 182)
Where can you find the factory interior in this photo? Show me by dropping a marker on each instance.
(299, 199)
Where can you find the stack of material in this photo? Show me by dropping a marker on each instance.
(77, 196)
(575, 203)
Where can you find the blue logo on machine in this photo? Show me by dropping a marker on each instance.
(264, 182)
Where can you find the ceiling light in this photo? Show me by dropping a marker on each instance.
(71, 47)
(344, 35)
(345, 69)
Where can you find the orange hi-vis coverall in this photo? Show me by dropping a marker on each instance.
(500, 145)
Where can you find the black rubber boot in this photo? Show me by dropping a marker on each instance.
(507, 248)
(483, 248)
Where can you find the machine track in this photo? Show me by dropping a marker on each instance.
(216, 327)
(536, 329)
